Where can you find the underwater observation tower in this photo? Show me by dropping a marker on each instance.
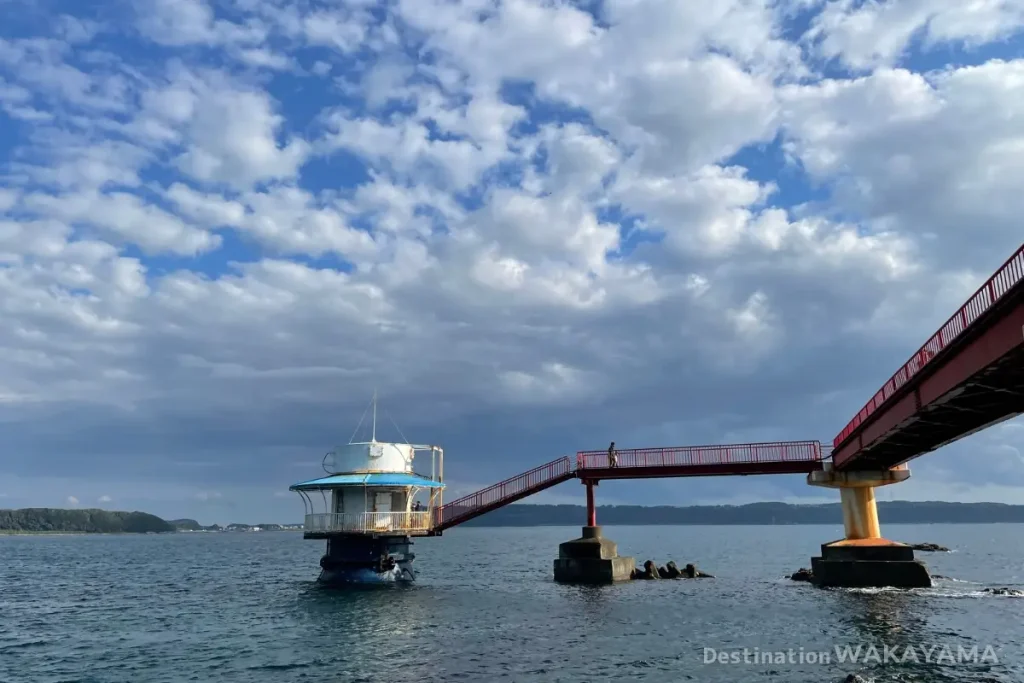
(369, 506)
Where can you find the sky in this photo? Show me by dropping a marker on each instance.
(533, 227)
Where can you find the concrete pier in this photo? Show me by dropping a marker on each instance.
(854, 565)
(864, 559)
(592, 559)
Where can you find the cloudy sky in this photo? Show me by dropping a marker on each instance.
(533, 226)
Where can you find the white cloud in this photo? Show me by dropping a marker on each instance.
(658, 222)
(234, 138)
(871, 34)
(105, 499)
(125, 217)
(920, 154)
(39, 64)
(8, 198)
(343, 29)
(266, 58)
(187, 22)
(290, 220)
(71, 500)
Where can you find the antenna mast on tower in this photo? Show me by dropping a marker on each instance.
(373, 437)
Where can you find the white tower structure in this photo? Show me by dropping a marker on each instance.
(368, 508)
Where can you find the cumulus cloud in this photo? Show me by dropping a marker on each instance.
(534, 229)
(864, 34)
(71, 500)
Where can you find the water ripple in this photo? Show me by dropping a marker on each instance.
(244, 607)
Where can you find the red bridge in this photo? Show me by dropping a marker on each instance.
(795, 457)
(968, 376)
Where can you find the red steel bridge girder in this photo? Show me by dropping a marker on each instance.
(980, 385)
(1004, 284)
(968, 376)
(722, 470)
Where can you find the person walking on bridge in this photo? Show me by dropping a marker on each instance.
(613, 457)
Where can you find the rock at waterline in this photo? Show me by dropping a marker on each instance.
(669, 571)
(929, 547)
(854, 678)
(1003, 591)
(691, 572)
(650, 571)
(802, 574)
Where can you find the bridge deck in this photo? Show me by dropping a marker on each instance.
(968, 376)
(503, 493)
(793, 457)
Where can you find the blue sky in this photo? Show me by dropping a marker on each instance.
(534, 227)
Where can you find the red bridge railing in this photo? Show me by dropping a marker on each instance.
(776, 451)
(1006, 278)
(503, 493)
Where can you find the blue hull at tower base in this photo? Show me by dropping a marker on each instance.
(367, 560)
(342, 576)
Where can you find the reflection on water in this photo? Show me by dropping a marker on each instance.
(246, 607)
(881, 617)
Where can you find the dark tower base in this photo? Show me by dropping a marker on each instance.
(868, 566)
(356, 558)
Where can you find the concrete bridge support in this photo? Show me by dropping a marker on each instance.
(864, 559)
(591, 558)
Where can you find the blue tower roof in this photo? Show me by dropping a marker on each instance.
(367, 479)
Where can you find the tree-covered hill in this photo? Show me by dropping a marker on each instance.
(37, 520)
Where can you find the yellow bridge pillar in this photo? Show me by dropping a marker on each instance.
(864, 557)
(857, 496)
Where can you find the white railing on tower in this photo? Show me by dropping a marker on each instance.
(367, 521)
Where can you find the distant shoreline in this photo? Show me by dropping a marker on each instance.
(56, 522)
(79, 521)
(14, 532)
(752, 514)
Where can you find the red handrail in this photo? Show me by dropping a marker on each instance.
(683, 456)
(562, 469)
(1006, 278)
(509, 490)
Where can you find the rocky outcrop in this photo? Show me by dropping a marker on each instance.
(649, 572)
(1004, 591)
(669, 571)
(691, 572)
(929, 547)
(802, 574)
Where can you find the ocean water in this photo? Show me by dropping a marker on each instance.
(244, 607)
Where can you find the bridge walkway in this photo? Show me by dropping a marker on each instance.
(786, 457)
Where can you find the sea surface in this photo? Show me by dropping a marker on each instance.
(244, 607)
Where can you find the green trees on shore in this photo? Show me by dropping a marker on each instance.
(53, 520)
